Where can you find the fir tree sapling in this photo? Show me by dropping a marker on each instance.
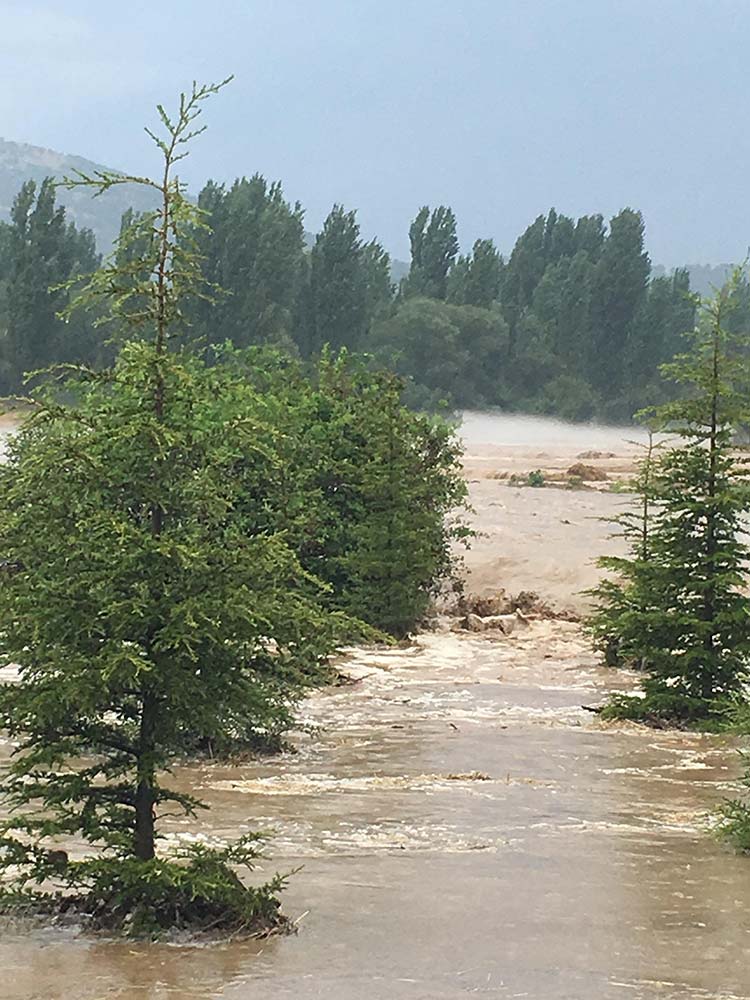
(143, 606)
(615, 623)
(690, 625)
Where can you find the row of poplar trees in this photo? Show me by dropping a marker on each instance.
(572, 323)
(186, 538)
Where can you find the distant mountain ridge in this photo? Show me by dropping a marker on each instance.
(21, 162)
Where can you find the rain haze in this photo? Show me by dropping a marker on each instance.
(499, 109)
(374, 551)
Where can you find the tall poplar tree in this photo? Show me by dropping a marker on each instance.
(477, 278)
(338, 284)
(252, 247)
(619, 291)
(43, 252)
(434, 247)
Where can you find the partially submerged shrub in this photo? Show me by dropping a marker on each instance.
(734, 824)
(196, 888)
(672, 708)
(535, 478)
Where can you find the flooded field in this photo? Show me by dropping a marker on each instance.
(464, 825)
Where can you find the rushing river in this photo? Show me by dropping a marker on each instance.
(466, 828)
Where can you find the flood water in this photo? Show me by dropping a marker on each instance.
(466, 828)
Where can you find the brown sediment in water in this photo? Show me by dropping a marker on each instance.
(465, 826)
(542, 540)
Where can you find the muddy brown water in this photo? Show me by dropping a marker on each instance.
(465, 828)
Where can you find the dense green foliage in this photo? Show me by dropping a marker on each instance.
(616, 626)
(187, 536)
(679, 608)
(251, 244)
(366, 491)
(734, 815)
(573, 323)
(39, 251)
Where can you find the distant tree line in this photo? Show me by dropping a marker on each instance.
(574, 323)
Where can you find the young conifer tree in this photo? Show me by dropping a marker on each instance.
(693, 618)
(138, 603)
(615, 623)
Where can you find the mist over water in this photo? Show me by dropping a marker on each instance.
(507, 429)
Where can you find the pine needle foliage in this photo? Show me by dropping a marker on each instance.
(733, 816)
(693, 616)
(615, 624)
(138, 603)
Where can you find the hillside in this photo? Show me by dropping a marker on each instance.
(20, 162)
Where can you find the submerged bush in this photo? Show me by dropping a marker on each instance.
(669, 708)
(196, 888)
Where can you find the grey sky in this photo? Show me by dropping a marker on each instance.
(497, 108)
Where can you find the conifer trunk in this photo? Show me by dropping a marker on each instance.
(709, 600)
(145, 796)
(145, 829)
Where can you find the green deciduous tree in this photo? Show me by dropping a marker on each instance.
(476, 279)
(390, 483)
(618, 293)
(667, 313)
(367, 492)
(524, 272)
(43, 251)
(252, 247)
(434, 247)
(349, 284)
(453, 353)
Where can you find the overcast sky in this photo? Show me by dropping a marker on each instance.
(500, 108)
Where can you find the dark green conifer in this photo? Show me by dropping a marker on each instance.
(691, 621)
(138, 604)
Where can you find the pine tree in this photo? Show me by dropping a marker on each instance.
(693, 618)
(616, 624)
(138, 603)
